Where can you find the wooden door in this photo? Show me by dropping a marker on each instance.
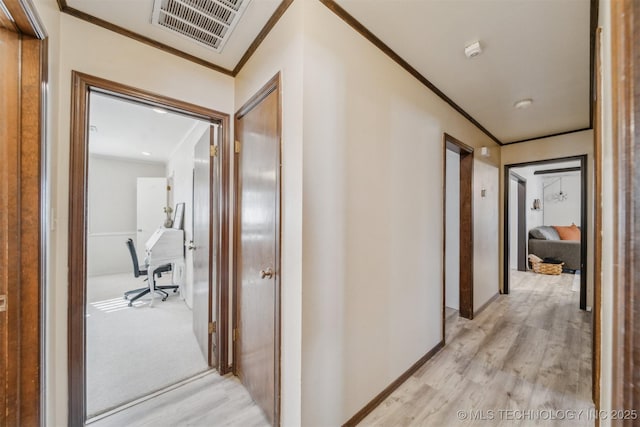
(151, 201)
(257, 360)
(9, 273)
(21, 224)
(203, 273)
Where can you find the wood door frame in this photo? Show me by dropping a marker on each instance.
(522, 222)
(625, 76)
(584, 226)
(23, 229)
(466, 226)
(274, 84)
(82, 85)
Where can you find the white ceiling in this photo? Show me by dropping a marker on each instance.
(524, 170)
(135, 15)
(536, 49)
(125, 129)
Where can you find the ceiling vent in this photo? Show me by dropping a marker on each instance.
(208, 22)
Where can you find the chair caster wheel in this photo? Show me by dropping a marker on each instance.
(164, 299)
(175, 290)
(130, 305)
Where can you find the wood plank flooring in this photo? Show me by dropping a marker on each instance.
(524, 360)
(528, 351)
(211, 400)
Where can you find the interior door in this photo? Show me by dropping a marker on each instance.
(10, 271)
(204, 252)
(151, 201)
(257, 282)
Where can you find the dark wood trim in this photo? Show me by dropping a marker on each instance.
(625, 58)
(517, 177)
(274, 84)
(548, 136)
(369, 407)
(597, 223)
(26, 19)
(223, 248)
(522, 225)
(82, 85)
(486, 304)
(360, 28)
(583, 220)
(466, 223)
(584, 234)
(559, 170)
(22, 225)
(593, 25)
(273, 20)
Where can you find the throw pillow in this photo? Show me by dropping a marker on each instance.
(571, 232)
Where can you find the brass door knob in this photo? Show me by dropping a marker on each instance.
(266, 274)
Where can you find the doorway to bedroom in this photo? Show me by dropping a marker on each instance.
(546, 222)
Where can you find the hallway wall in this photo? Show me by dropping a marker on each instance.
(78, 45)
(372, 209)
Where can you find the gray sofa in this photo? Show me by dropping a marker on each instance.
(544, 242)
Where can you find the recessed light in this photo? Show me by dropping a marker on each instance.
(523, 103)
(146, 153)
(159, 110)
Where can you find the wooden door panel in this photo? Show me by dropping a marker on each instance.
(9, 235)
(202, 271)
(257, 299)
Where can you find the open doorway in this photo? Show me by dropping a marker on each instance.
(145, 273)
(545, 214)
(458, 233)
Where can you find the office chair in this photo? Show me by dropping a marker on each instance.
(137, 273)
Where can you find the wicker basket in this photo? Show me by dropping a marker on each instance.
(544, 268)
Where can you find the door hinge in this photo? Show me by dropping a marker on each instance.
(3, 303)
(236, 146)
(213, 150)
(212, 327)
(235, 334)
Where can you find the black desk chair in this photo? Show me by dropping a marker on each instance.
(137, 273)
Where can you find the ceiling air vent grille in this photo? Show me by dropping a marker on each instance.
(208, 22)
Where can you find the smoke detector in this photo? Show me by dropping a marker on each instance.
(473, 50)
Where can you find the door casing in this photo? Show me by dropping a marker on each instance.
(23, 225)
(466, 225)
(81, 87)
(271, 86)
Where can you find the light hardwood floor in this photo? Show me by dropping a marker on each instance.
(528, 351)
(522, 361)
(208, 401)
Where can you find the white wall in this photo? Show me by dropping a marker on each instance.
(180, 169)
(608, 211)
(111, 211)
(452, 232)
(573, 144)
(78, 45)
(372, 231)
(564, 212)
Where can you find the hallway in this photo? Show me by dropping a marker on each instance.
(524, 360)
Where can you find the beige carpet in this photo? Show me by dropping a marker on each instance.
(134, 351)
